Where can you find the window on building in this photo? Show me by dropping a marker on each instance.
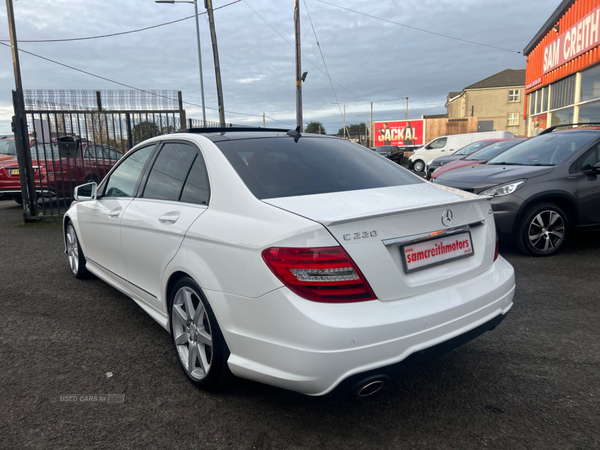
(590, 84)
(563, 93)
(514, 95)
(544, 93)
(513, 119)
(590, 112)
(561, 117)
(532, 103)
(539, 101)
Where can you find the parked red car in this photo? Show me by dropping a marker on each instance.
(7, 148)
(480, 156)
(55, 176)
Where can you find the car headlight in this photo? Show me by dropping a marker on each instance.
(503, 189)
(412, 153)
(442, 163)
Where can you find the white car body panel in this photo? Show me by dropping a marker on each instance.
(100, 232)
(274, 335)
(151, 233)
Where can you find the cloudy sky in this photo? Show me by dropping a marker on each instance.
(370, 56)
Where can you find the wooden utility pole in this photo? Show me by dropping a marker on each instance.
(213, 36)
(298, 66)
(20, 125)
(371, 129)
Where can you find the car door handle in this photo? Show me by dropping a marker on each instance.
(170, 217)
(115, 212)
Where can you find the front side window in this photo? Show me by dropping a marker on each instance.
(514, 95)
(170, 171)
(513, 119)
(282, 167)
(123, 180)
(438, 143)
(589, 159)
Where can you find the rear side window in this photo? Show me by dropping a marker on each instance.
(123, 180)
(196, 189)
(281, 167)
(170, 171)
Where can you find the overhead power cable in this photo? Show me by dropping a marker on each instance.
(419, 29)
(325, 64)
(304, 57)
(37, 41)
(133, 87)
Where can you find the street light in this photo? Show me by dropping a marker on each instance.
(345, 128)
(199, 50)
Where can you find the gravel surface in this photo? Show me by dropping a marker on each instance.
(531, 383)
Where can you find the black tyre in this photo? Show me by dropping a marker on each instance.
(19, 199)
(543, 229)
(418, 166)
(75, 253)
(199, 344)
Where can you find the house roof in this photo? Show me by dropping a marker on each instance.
(454, 94)
(508, 77)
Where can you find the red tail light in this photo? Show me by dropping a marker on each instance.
(325, 274)
(496, 251)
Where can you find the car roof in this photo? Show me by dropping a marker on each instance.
(230, 133)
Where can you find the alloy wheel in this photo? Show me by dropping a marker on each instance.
(73, 249)
(192, 333)
(546, 231)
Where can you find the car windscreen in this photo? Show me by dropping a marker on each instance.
(546, 150)
(7, 147)
(492, 150)
(472, 147)
(282, 167)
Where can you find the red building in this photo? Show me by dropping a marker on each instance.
(563, 75)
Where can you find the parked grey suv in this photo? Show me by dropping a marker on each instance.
(541, 188)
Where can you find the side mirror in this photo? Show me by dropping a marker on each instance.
(85, 192)
(428, 147)
(592, 170)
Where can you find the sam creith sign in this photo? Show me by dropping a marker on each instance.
(578, 39)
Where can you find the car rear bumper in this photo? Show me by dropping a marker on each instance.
(286, 341)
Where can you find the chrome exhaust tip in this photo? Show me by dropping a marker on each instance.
(369, 388)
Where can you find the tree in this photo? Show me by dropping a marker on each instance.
(354, 129)
(143, 131)
(315, 128)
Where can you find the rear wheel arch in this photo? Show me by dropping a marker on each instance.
(173, 279)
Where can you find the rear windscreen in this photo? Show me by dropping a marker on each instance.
(281, 167)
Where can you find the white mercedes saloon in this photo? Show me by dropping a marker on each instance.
(301, 261)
